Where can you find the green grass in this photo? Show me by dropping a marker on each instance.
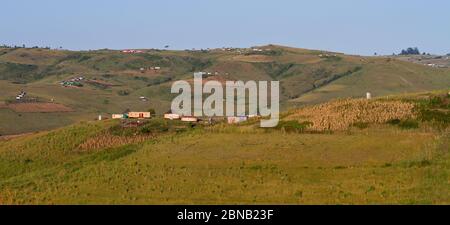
(16, 123)
(259, 167)
(402, 162)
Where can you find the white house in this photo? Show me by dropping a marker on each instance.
(189, 119)
(171, 116)
(139, 115)
(236, 119)
(117, 116)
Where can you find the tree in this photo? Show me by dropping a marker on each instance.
(152, 112)
(410, 51)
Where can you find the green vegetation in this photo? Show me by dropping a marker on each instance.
(306, 77)
(293, 126)
(409, 124)
(20, 73)
(171, 162)
(123, 92)
(410, 51)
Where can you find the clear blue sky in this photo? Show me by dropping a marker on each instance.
(350, 26)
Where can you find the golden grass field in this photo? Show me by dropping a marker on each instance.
(341, 114)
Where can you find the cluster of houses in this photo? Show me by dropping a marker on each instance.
(147, 115)
(259, 49)
(327, 55)
(152, 68)
(132, 51)
(21, 95)
(230, 119)
(211, 73)
(132, 115)
(435, 61)
(434, 65)
(73, 82)
(174, 116)
(230, 49)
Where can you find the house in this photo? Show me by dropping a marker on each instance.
(139, 115)
(171, 116)
(189, 119)
(117, 116)
(236, 119)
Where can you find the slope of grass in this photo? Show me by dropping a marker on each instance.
(381, 77)
(229, 164)
(251, 168)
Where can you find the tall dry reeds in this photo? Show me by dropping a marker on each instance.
(342, 114)
(106, 140)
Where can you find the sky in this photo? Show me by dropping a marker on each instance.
(349, 26)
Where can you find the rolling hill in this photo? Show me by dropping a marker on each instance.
(398, 154)
(118, 79)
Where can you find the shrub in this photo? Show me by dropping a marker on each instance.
(152, 112)
(293, 125)
(361, 125)
(409, 124)
(394, 122)
(123, 92)
(441, 118)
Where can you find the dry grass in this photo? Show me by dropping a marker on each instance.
(342, 114)
(7, 197)
(106, 140)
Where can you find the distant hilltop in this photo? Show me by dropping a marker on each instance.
(90, 83)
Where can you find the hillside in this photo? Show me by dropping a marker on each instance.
(388, 157)
(114, 80)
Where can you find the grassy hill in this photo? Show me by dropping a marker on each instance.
(306, 76)
(384, 157)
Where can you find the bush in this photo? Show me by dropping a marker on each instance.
(361, 125)
(152, 112)
(435, 110)
(404, 124)
(123, 92)
(293, 126)
(435, 116)
(409, 124)
(394, 122)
